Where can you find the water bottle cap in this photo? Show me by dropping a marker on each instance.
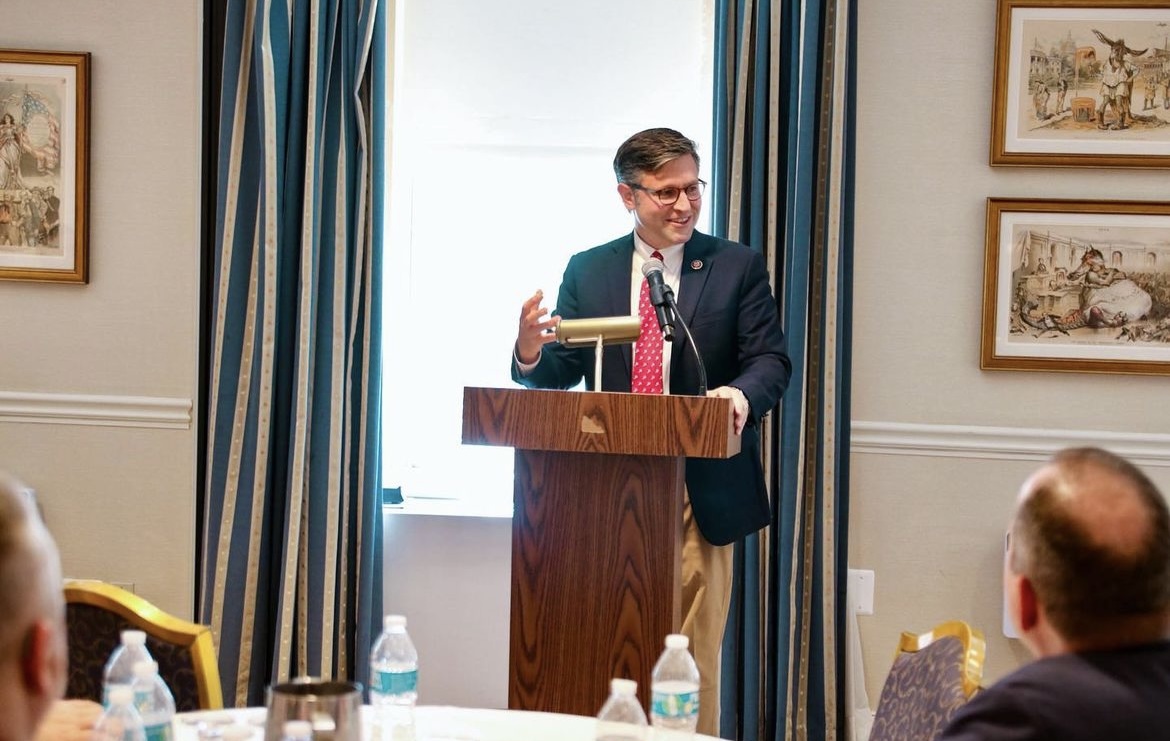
(298, 728)
(121, 694)
(145, 669)
(394, 621)
(623, 686)
(133, 638)
(677, 640)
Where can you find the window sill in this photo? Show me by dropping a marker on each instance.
(442, 507)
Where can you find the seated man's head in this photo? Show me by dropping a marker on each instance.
(1088, 563)
(33, 652)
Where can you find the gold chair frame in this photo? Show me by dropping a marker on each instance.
(158, 624)
(974, 649)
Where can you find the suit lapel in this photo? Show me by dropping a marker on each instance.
(615, 271)
(696, 267)
(698, 256)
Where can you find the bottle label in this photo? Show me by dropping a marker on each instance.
(676, 705)
(396, 683)
(160, 732)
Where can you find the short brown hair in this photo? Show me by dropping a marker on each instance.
(1084, 585)
(649, 150)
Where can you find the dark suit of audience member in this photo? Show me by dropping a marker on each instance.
(1087, 581)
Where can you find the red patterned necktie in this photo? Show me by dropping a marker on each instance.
(648, 348)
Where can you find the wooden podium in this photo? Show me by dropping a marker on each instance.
(596, 532)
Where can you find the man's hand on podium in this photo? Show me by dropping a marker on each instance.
(738, 401)
(533, 333)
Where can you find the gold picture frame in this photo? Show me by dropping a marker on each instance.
(1081, 83)
(44, 166)
(1076, 286)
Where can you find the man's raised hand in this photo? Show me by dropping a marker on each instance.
(534, 329)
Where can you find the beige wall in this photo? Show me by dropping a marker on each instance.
(117, 491)
(931, 526)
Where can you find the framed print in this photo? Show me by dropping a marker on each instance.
(1080, 286)
(44, 165)
(1082, 83)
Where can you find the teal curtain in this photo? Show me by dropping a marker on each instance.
(782, 182)
(290, 565)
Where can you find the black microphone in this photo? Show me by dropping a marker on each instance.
(661, 296)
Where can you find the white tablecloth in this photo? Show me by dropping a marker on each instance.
(432, 723)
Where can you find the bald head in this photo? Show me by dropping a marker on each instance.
(1091, 534)
(32, 612)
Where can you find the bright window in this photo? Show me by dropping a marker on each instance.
(506, 118)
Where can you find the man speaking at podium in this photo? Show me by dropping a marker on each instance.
(722, 293)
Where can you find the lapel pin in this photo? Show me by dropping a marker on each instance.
(696, 264)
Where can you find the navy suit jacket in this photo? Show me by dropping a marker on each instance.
(725, 298)
(1091, 696)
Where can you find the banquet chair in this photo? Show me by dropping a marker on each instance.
(96, 613)
(933, 675)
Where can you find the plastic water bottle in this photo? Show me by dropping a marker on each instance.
(120, 666)
(394, 678)
(120, 721)
(154, 702)
(674, 688)
(297, 730)
(621, 717)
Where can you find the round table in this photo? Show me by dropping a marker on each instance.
(432, 723)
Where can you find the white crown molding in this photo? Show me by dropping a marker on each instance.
(102, 411)
(1001, 443)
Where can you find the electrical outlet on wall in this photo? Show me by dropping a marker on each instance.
(861, 587)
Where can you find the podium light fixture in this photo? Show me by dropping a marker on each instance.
(599, 331)
(608, 330)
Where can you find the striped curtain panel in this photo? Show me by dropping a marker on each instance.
(782, 182)
(291, 549)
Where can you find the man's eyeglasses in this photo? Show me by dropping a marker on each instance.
(668, 196)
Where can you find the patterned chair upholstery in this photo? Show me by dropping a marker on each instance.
(932, 676)
(96, 613)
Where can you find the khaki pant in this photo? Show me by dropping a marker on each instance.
(706, 598)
